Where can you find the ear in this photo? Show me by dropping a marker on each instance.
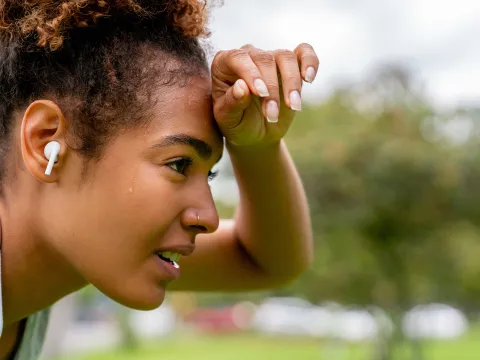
(42, 122)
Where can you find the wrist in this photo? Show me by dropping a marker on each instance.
(254, 150)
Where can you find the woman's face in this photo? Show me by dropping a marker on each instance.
(142, 197)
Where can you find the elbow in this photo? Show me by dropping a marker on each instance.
(286, 271)
(276, 269)
(278, 279)
(294, 272)
(297, 267)
(303, 261)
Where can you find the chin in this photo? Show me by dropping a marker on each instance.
(145, 298)
(144, 301)
(144, 305)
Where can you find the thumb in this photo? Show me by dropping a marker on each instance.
(228, 109)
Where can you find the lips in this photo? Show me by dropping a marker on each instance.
(168, 270)
(170, 257)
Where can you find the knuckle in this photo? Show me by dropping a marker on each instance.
(273, 87)
(253, 72)
(312, 58)
(286, 55)
(218, 68)
(218, 56)
(305, 50)
(293, 80)
(305, 46)
(264, 57)
(248, 47)
(237, 54)
(216, 63)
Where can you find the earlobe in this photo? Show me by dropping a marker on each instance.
(43, 130)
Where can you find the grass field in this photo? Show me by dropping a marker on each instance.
(240, 347)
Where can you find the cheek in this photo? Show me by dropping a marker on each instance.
(118, 214)
(152, 199)
(137, 204)
(109, 229)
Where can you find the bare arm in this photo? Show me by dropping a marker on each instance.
(270, 241)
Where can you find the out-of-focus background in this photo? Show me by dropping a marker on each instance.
(388, 148)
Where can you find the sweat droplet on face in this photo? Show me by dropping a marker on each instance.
(132, 185)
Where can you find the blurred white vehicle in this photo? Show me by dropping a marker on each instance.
(154, 323)
(355, 325)
(283, 316)
(434, 321)
(295, 316)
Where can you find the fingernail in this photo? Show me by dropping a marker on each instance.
(310, 74)
(295, 101)
(272, 111)
(238, 92)
(261, 87)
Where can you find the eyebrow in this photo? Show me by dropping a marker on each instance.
(203, 149)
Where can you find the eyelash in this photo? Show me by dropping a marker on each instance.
(212, 175)
(187, 162)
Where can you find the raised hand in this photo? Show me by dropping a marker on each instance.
(257, 92)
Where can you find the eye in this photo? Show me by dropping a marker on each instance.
(212, 175)
(181, 165)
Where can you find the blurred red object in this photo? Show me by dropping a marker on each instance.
(218, 320)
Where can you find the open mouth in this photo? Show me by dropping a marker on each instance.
(170, 257)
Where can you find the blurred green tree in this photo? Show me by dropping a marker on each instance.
(392, 196)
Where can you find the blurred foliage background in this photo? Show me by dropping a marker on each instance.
(393, 197)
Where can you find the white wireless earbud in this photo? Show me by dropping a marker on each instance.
(51, 151)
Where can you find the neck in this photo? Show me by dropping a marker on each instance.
(34, 275)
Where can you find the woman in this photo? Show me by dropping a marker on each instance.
(123, 89)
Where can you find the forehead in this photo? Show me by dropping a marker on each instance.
(187, 110)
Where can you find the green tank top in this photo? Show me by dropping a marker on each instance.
(34, 333)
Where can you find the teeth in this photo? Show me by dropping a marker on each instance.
(174, 257)
(176, 265)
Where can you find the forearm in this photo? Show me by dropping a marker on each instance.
(272, 222)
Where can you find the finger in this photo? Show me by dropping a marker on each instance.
(230, 107)
(265, 62)
(249, 47)
(308, 61)
(234, 64)
(287, 64)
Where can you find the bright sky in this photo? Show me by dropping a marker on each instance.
(438, 39)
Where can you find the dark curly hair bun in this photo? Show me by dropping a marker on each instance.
(49, 23)
(101, 61)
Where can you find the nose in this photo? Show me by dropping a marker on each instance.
(202, 215)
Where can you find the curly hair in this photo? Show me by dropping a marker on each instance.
(97, 59)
